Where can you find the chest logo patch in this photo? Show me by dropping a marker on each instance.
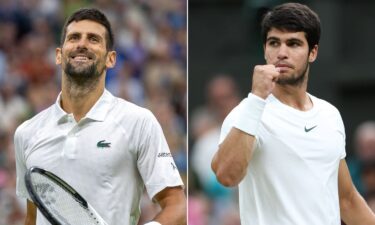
(309, 129)
(103, 144)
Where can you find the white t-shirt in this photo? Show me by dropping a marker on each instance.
(292, 178)
(108, 157)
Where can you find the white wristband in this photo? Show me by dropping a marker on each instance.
(153, 223)
(250, 114)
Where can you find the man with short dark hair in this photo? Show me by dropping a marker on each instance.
(284, 147)
(108, 149)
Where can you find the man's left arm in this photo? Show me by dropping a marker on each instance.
(353, 208)
(172, 201)
(160, 174)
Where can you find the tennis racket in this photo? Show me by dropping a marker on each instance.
(58, 201)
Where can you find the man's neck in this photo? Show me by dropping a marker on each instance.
(79, 101)
(294, 96)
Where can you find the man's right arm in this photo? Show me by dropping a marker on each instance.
(231, 161)
(21, 171)
(30, 213)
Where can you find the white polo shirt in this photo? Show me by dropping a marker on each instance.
(108, 157)
(292, 178)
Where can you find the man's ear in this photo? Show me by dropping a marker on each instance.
(264, 52)
(58, 56)
(111, 59)
(313, 54)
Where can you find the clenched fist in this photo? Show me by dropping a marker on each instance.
(264, 78)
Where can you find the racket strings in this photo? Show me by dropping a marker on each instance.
(62, 203)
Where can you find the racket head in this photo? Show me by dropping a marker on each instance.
(44, 188)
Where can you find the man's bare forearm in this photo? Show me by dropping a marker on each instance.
(173, 204)
(231, 161)
(355, 211)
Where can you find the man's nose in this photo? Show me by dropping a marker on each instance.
(283, 52)
(82, 43)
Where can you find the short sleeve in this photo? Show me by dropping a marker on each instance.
(21, 169)
(155, 162)
(341, 130)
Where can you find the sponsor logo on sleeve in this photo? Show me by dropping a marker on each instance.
(164, 154)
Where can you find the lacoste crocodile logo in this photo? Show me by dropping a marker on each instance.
(103, 144)
(309, 129)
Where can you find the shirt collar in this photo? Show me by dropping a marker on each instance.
(97, 113)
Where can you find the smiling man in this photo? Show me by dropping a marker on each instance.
(284, 147)
(105, 147)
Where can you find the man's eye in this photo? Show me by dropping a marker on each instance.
(74, 37)
(294, 44)
(273, 43)
(94, 39)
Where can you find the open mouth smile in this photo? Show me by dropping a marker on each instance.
(81, 57)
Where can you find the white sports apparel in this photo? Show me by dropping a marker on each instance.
(108, 157)
(292, 178)
(153, 223)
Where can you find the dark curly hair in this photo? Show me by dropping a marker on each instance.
(293, 17)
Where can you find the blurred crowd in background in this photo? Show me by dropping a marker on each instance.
(150, 40)
(210, 203)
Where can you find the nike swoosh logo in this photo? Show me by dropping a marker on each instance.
(309, 129)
